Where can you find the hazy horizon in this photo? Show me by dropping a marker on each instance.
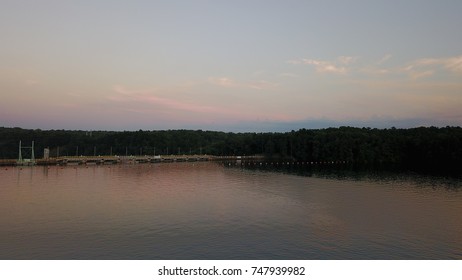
(239, 66)
(256, 128)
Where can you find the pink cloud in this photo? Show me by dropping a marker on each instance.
(148, 96)
(149, 102)
(152, 103)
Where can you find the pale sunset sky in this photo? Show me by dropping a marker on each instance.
(230, 65)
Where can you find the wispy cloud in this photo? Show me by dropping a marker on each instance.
(326, 67)
(384, 59)
(151, 102)
(169, 106)
(425, 67)
(454, 64)
(346, 59)
(291, 75)
(222, 81)
(417, 69)
(338, 66)
(451, 63)
(231, 83)
(149, 97)
(420, 74)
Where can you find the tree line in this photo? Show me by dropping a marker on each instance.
(423, 146)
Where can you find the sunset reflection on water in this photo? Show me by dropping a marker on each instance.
(204, 210)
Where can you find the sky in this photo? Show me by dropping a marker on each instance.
(230, 65)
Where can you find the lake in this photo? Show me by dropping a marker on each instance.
(212, 210)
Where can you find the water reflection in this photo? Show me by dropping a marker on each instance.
(210, 211)
(358, 212)
(386, 174)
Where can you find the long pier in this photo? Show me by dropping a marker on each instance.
(108, 160)
(99, 160)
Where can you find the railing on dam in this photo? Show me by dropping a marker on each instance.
(100, 160)
(89, 160)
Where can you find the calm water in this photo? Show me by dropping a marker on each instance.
(211, 211)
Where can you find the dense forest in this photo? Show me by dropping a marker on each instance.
(430, 147)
